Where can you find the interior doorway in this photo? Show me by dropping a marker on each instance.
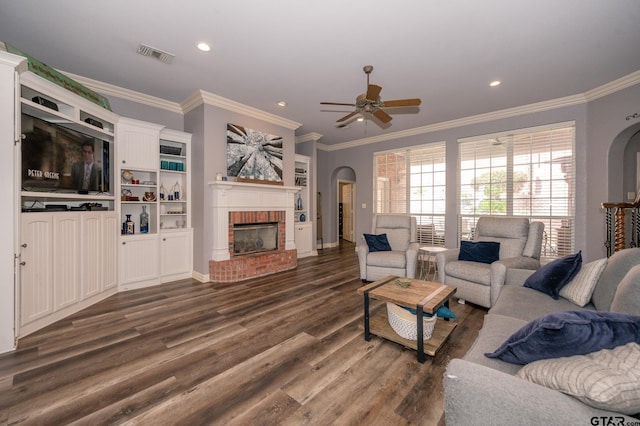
(346, 210)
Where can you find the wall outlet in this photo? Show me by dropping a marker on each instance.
(364, 205)
(631, 195)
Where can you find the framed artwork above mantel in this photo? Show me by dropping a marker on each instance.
(254, 156)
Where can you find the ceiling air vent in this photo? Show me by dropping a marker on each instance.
(165, 57)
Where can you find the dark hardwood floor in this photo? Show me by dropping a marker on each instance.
(284, 349)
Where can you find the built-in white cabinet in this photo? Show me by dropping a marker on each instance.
(158, 247)
(176, 254)
(303, 223)
(302, 232)
(67, 261)
(137, 144)
(139, 260)
(67, 224)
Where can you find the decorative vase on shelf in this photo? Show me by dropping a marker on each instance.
(299, 203)
(162, 191)
(128, 227)
(176, 191)
(302, 217)
(144, 221)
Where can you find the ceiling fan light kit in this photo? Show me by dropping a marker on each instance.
(371, 103)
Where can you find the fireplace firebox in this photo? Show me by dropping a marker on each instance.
(251, 238)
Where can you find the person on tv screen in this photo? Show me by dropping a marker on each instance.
(86, 174)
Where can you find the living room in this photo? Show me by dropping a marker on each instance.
(605, 116)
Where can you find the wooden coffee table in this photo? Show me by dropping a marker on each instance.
(423, 296)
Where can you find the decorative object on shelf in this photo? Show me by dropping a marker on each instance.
(128, 227)
(219, 176)
(299, 203)
(253, 153)
(127, 176)
(149, 196)
(144, 220)
(124, 194)
(176, 191)
(303, 217)
(163, 191)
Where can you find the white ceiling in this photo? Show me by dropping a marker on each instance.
(305, 52)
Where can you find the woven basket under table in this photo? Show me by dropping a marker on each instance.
(404, 323)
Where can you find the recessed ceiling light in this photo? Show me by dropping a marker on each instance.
(360, 119)
(495, 83)
(281, 103)
(204, 46)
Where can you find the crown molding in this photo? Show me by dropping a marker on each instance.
(308, 137)
(613, 86)
(202, 97)
(127, 94)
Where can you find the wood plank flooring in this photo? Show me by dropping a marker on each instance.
(286, 349)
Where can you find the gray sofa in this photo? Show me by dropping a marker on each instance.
(484, 391)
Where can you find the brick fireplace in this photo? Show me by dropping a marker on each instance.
(239, 203)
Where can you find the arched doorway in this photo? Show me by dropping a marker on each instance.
(345, 196)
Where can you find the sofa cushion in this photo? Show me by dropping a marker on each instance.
(527, 304)
(481, 251)
(550, 278)
(387, 259)
(627, 298)
(479, 273)
(607, 379)
(618, 265)
(580, 288)
(568, 333)
(495, 330)
(510, 232)
(377, 242)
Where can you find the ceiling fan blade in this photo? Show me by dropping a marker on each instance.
(336, 103)
(402, 102)
(373, 91)
(382, 116)
(346, 117)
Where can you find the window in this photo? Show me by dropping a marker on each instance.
(413, 181)
(526, 173)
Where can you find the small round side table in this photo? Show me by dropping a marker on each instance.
(428, 263)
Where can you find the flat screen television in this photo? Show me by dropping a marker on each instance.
(59, 159)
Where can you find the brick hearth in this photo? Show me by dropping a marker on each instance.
(243, 267)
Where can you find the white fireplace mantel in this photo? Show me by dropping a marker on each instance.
(240, 196)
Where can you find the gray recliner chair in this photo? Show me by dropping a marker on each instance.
(480, 283)
(401, 261)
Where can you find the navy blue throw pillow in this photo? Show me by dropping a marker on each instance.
(377, 242)
(481, 251)
(568, 333)
(554, 275)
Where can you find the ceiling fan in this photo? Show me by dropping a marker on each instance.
(371, 103)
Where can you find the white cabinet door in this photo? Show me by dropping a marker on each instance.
(91, 254)
(176, 254)
(66, 259)
(110, 233)
(302, 233)
(138, 260)
(36, 286)
(138, 144)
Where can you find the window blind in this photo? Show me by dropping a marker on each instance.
(413, 181)
(526, 173)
